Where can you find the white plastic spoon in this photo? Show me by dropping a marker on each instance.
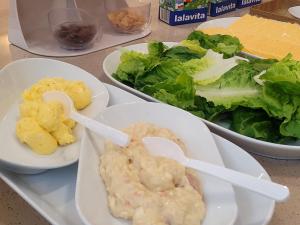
(169, 149)
(116, 136)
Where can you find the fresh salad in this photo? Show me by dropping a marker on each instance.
(259, 98)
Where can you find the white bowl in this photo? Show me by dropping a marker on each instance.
(90, 195)
(292, 151)
(16, 77)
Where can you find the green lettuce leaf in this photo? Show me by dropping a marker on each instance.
(167, 69)
(206, 110)
(156, 49)
(182, 53)
(292, 127)
(132, 65)
(209, 68)
(281, 105)
(176, 90)
(235, 87)
(256, 124)
(286, 74)
(194, 46)
(224, 44)
(281, 94)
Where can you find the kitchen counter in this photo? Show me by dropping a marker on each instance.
(14, 210)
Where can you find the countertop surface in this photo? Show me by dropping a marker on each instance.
(14, 210)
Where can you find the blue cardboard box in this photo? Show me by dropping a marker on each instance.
(176, 12)
(246, 3)
(219, 7)
(183, 17)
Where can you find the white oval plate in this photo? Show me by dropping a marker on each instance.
(90, 195)
(292, 151)
(16, 77)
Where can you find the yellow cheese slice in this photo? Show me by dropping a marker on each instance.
(264, 37)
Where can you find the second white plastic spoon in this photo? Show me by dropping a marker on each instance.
(169, 149)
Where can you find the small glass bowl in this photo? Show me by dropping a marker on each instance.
(73, 28)
(128, 16)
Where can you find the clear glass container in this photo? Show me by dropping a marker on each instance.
(73, 28)
(128, 16)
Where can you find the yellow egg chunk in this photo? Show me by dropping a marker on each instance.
(30, 132)
(64, 135)
(70, 123)
(36, 91)
(29, 109)
(50, 115)
(79, 93)
(43, 126)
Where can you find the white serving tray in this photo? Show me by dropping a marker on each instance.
(52, 193)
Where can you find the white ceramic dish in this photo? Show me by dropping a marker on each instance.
(16, 77)
(292, 151)
(91, 200)
(52, 193)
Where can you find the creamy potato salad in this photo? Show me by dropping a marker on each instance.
(146, 189)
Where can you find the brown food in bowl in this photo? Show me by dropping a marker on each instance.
(127, 20)
(75, 35)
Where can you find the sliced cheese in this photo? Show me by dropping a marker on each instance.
(264, 37)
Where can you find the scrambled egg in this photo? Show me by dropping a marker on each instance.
(43, 126)
(264, 37)
(150, 190)
(31, 133)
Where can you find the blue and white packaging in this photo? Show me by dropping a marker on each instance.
(174, 18)
(219, 7)
(176, 12)
(245, 3)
